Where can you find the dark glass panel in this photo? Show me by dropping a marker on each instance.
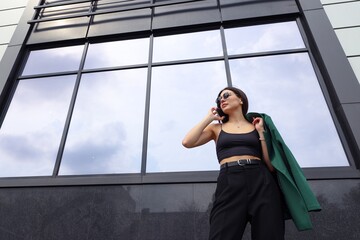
(286, 88)
(262, 38)
(31, 132)
(188, 46)
(53, 60)
(106, 130)
(180, 97)
(119, 53)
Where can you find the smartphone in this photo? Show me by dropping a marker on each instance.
(219, 112)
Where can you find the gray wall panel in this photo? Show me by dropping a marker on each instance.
(243, 9)
(340, 72)
(69, 29)
(352, 112)
(186, 14)
(122, 22)
(310, 4)
(137, 19)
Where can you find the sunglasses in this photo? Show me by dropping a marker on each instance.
(224, 96)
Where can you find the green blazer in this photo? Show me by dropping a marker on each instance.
(298, 196)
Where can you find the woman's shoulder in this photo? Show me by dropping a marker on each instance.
(215, 126)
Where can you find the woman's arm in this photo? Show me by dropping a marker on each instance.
(202, 132)
(259, 125)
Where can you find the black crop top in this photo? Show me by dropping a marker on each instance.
(237, 144)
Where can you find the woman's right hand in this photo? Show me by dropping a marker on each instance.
(214, 115)
(202, 132)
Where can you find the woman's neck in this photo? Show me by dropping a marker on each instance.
(237, 119)
(237, 116)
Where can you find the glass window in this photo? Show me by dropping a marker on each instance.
(31, 132)
(188, 46)
(286, 88)
(106, 130)
(53, 60)
(262, 38)
(119, 53)
(181, 96)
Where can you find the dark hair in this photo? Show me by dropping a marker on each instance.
(240, 94)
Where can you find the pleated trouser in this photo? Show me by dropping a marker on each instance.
(246, 194)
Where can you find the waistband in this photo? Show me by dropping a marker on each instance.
(242, 162)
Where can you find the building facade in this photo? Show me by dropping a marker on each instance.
(97, 95)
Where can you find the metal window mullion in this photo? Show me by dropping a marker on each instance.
(4, 107)
(92, 7)
(43, 75)
(147, 108)
(70, 112)
(267, 53)
(188, 61)
(226, 57)
(317, 71)
(220, 12)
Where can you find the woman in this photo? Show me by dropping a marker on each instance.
(246, 191)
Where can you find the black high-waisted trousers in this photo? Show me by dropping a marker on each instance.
(247, 194)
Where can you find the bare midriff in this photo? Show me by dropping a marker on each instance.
(236, 158)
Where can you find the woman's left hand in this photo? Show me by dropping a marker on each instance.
(258, 122)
